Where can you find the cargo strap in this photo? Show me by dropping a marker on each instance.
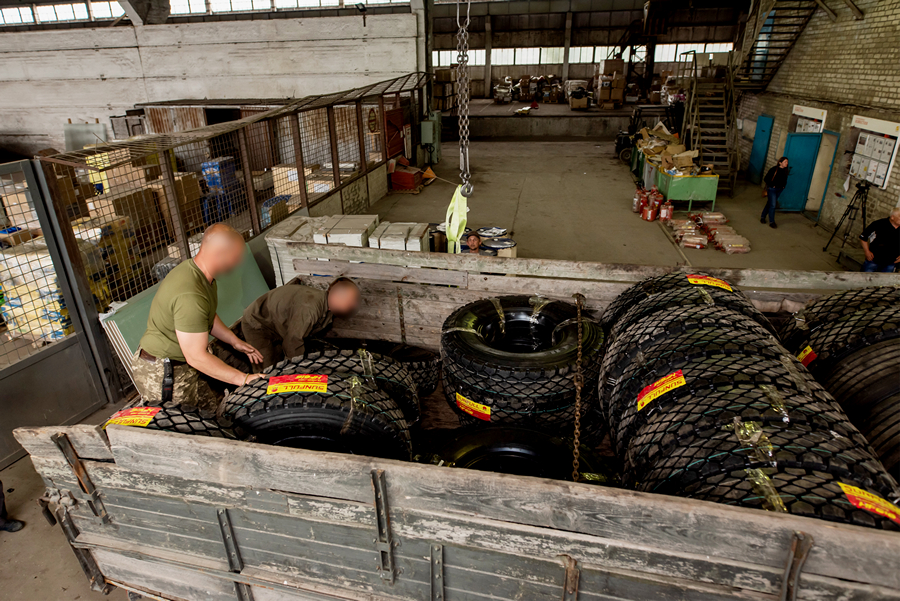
(384, 543)
(579, 384)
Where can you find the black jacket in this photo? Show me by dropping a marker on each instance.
(777, 177)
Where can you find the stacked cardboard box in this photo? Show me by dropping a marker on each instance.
(18, 206)
(401, 236)
(114, 238)
(129, 171)
(406, 178)
(189, 198)
(142, 207)
(609, 83)
(349, 230)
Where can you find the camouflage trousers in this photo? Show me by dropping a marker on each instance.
(189, 390)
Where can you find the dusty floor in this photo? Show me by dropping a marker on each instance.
(572, 200)
(561, 200)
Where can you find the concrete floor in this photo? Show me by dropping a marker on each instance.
(561, 200)
(572, 200)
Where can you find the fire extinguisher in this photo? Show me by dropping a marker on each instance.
(666, 211)
(648, 214)
(636, 204)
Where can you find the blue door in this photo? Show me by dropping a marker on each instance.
(801, 151)
(760, 148)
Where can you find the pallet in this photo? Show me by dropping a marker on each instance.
(415, 190)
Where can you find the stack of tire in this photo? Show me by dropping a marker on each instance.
(704, 402)
(510, 361)
(335, 400)
(174, 419)
(850, 341)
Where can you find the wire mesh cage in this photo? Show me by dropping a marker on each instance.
(140, 206)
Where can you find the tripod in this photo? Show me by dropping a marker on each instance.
(858, 202)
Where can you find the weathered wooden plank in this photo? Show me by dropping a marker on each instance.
(750, 279)
(89, 441)
(374, 271)
(679, 525)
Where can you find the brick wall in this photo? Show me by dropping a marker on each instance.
(848, 67)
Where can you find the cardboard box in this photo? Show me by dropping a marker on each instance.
(188, 197)
(578, 103)
(655, 98)
(603, 94)
(445, 75)
(608, 106)
(618, 81)
(406, 178)
(666, 161)
(617, 94)
(684, 160)
(142, 207)
(285, 180)
(418, 239)
(74, 198)
(394, 237)
(674, 149)
(611, 65)
(13, 236)
(18, 207)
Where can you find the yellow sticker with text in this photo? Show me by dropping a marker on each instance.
(298, 383)
(136, 416)
(862, 499)
(807, 356)
(477, 410)
(659, 388)
(705, 280)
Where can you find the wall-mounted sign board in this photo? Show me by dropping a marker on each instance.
(873, 149)
(805, 119)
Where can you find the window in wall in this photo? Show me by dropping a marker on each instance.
(443, 58)
(110, 10)
(665, 53)
(719, 47)
(62, 12)
(187, 7)
(552, 56)
(227, 6)
(682, 48)
(476, 58)
(581, 54)
(16, 16)
(528, 56)
(503, 56)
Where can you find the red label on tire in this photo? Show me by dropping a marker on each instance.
(477, 410)
(807, 356)
(659, 388)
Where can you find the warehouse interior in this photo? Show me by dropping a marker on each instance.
(561, 162)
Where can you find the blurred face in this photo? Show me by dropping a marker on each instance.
(784, 163)
(343, 301)
(473, 242)
(895, 219)
(229, 257)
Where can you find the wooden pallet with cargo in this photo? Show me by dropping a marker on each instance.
(190, 517)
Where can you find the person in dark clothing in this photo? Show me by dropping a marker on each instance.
(776, 180)
(881, 243)
(290, 314)
(6, 524)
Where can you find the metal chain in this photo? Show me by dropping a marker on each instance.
(462, 96)
(579, 384)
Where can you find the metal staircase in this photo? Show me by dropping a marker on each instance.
(710, 120)
(774, 32)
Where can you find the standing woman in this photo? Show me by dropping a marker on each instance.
(776, 180)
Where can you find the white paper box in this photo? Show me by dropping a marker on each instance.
(375, 236)
(394, 238)
(418, 238)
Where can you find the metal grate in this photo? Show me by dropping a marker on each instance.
(142, 204)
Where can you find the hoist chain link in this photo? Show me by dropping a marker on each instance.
(579, 384)
(462, 96)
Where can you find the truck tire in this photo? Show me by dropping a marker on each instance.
(705, 297)
(352, 415)
(834, 342)
(387, 374)
(187, 421)
(866, 386)
(522, 452)
(652, 286)
(630, 343)
(424, 367)
(829, 309)
(511, 360)
(699, 362)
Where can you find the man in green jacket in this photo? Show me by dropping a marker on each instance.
(290, 314)
(182, 316)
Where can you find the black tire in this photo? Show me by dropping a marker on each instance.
(829, 309)
(625, 154)
(186, 421)
(513, 367)
(522, 452)
(423, 365)
(352, 416)
(388, 374)
(834, 342)
(707, 359)
(630, 343)
(647, 288)
(867, 387)
(703, 297)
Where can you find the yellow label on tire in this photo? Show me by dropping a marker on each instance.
(477, 410)
(862, 499)
(705, 280)
(298, 383)
(659, 388)
(807, 356)
(136, 416)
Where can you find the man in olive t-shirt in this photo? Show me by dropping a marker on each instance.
(182, 316)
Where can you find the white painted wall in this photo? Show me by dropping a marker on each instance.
(48, 77)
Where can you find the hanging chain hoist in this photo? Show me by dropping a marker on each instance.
(462, 96)
(578, 379)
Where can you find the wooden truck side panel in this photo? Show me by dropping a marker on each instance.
(304, 527)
